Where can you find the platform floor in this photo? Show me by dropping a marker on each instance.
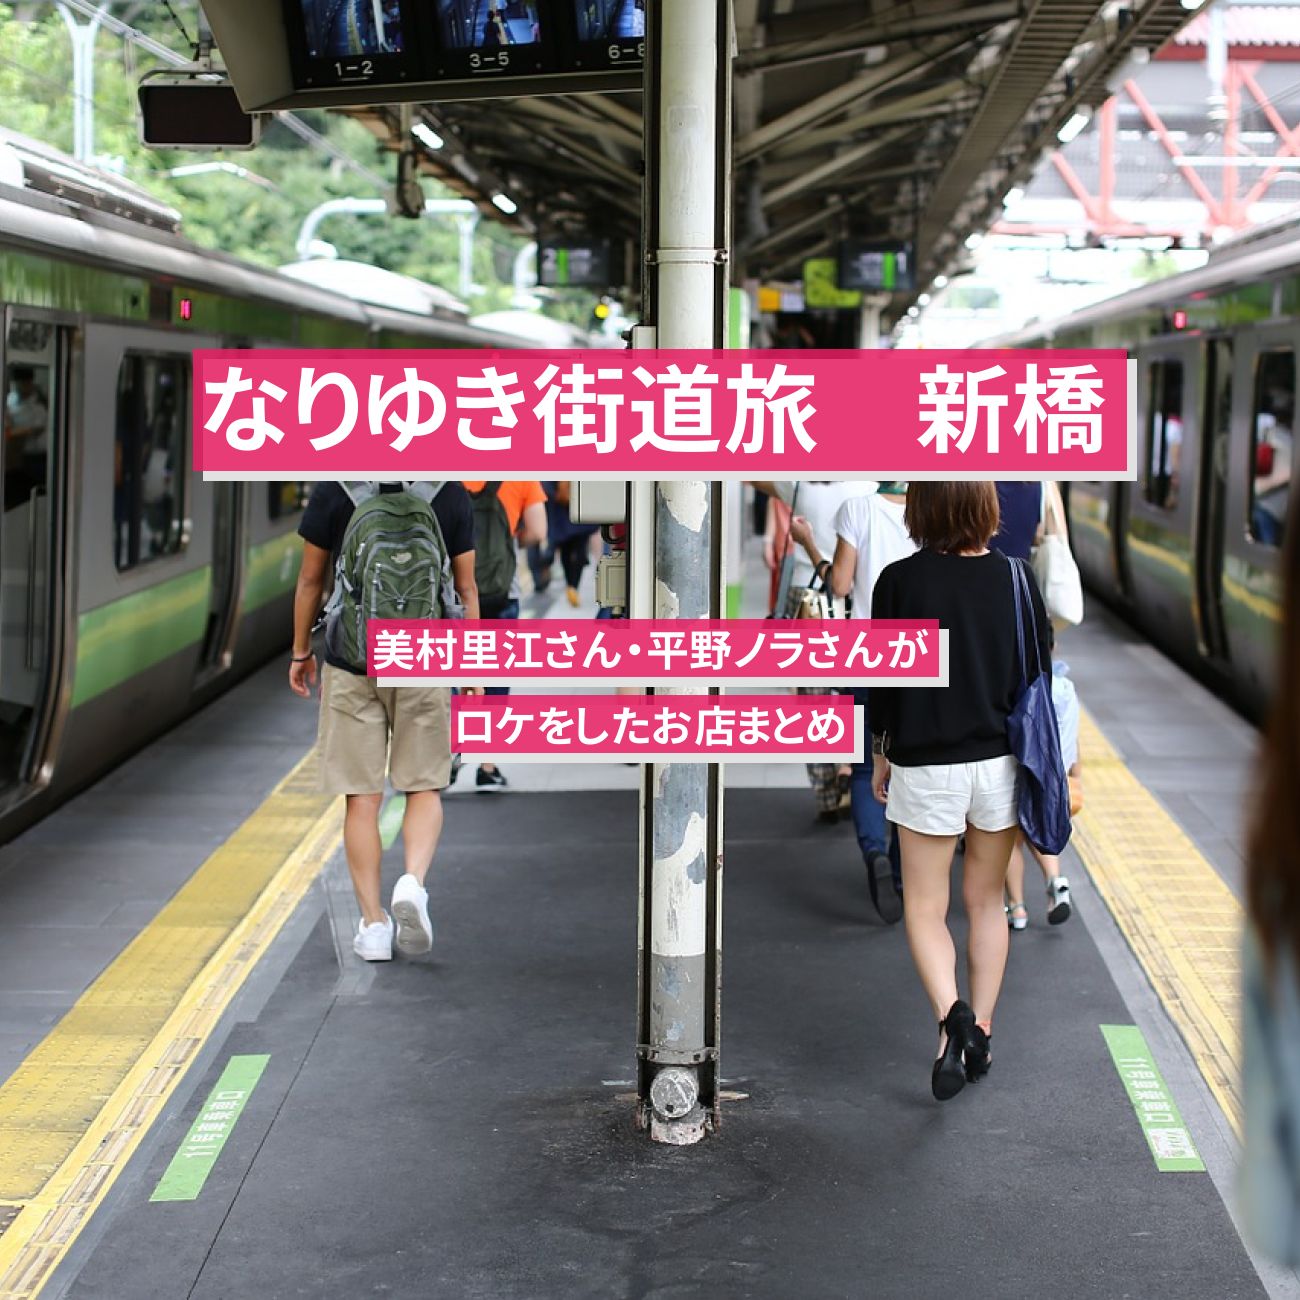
(461, 1126)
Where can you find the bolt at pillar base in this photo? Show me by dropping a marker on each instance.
(683, 1132)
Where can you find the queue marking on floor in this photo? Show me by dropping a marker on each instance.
(201, 1147)
(1182, 922)
(75, 1110)
(1157, 1113)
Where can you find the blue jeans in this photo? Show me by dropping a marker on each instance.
(868, 813)
(509, 610)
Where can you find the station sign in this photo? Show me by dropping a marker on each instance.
(335, 53)
(576, 263)
(875, 266)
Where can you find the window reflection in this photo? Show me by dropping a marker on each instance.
(1273, 418)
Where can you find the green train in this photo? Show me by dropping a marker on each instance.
(1189, 553)
(131, 592)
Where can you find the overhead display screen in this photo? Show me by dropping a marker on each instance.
(609, 33)
(875, 266)
(565, 263)
(485, 37)
(334, 42)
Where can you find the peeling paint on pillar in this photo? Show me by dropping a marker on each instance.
(679, 893)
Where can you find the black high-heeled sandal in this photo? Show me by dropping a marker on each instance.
(977, 1056)
(948, 1077)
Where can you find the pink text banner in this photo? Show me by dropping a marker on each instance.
(659, 728)
(657, 652)
(880, 414)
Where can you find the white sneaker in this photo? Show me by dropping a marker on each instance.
(374, 942)
(411, 912)
(1058, 900)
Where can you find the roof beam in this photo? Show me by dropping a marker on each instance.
(841, 162)
(858, 37)
(835, 100)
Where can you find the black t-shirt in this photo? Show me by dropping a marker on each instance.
(971, 596)
(329, 509)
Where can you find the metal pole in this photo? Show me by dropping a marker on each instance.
(688, 132)
(83, 78)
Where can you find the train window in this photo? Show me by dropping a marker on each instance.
(1274, 415)
(149, 458)
(26, 432)
(1164, 433)
(285, 499)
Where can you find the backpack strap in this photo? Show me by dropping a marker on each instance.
(425, 489)
(360, 491)
(489, 489)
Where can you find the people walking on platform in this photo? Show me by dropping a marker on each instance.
(570, 541)
(942, 760)
(505, 513)
(368, 731)
(1065, 700)
(870, 533)
(1020, 511)
(817, 502)
(1270, 1009)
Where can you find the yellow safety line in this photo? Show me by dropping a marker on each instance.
(72, 1114)
(1182, 922)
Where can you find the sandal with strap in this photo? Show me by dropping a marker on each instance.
(1017, 916)
(978, 1056)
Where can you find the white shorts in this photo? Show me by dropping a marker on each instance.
(942, 798)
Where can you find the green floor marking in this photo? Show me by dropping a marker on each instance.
(1170, 1142)
(184, 1178)
(390, 819)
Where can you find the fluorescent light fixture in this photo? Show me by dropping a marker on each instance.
(923, 300)
(940, 281)
(1191, 4)
(505, 203)
(1013, 195)
(913, 312)
(974, 240)
(1073, 127)
(427, 136)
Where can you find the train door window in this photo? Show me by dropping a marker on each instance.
(1273, 418)
(285, 499)
(149, 458)
(1164, 433)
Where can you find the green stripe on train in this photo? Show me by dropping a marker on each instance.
(120, 639)
(272, 570)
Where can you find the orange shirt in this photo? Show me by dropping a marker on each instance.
(515, 494)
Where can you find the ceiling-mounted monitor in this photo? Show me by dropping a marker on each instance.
(350, 42)
(877, 266)
(568, 263)
(488, 38)
(607, 33)
(293, 54)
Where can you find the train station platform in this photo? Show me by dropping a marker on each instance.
(206, 1095)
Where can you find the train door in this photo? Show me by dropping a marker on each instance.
(227, 576)
(1212, 498)
(32, 475)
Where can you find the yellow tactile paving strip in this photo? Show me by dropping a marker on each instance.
(75, 1110)
(1182, 922)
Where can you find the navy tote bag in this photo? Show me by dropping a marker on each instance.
(1035, 739)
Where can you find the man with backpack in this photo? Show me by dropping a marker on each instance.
(503, 512)
(396, 551)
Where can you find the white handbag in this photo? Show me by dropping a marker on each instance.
(1054, 566)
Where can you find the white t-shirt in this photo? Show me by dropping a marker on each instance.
(1066, 702)
(874, 527)
(818, 503)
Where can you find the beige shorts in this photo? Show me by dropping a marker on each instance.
(943, 798)
(367, 730)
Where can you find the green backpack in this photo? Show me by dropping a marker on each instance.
(494, 550)
(393, 564)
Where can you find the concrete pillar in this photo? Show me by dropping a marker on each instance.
(688, 130)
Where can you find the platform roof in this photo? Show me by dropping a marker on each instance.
(900, 120)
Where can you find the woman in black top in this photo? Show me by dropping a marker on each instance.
(942, 761)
